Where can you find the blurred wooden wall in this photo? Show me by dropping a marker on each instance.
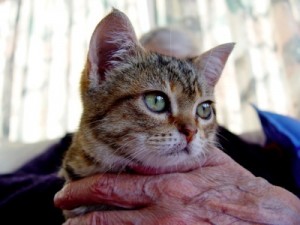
(43, 46)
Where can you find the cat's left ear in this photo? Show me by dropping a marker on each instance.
(112, 40)
(211, 63)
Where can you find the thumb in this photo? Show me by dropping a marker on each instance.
(119, 190)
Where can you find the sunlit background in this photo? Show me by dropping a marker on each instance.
(43, 45)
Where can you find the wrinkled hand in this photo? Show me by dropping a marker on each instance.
(219, 192)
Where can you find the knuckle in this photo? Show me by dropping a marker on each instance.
(171, 187)
(105, 186)
(181, 187)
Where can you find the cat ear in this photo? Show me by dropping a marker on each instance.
(113, 38)
(212, 62)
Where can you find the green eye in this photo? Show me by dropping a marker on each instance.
(204, 110)
(156, 102)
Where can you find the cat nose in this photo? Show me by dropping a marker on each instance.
(189, 131)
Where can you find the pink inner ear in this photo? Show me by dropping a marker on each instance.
(112, 37)
(213, 61)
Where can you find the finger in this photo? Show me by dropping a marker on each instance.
(113, 217)
(127, 191)
(137, 217)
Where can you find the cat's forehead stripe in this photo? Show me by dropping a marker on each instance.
(178, 72)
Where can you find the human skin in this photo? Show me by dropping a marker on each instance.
(220, 191)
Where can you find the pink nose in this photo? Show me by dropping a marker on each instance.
(189, 131)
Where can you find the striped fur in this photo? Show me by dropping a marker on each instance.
(117, 130)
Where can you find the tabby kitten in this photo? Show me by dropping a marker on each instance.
(142, 112)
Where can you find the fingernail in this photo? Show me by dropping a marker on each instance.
(57, 199)
(58, 195)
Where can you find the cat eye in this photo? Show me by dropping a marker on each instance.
(156, 102)
(204, 110)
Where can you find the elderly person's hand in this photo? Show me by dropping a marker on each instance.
(218, 192)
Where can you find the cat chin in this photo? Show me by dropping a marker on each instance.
(148, 170)
(180, 161)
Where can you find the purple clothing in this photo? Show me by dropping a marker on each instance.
(26, 196)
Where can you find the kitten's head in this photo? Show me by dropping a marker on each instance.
(144, 110)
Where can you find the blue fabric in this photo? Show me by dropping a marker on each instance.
(284, 131)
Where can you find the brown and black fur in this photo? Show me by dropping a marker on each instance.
(116, 128)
